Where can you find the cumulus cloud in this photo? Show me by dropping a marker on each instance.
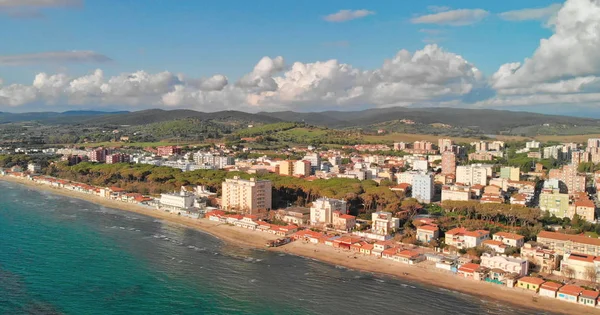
(428, 75)
(459, 17)
(347, 15)
(547, 14)
(32, 8)
(53, 57)
(565, 68)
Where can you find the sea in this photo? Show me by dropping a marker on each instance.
(60, 255)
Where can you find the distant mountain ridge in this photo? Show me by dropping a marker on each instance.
(478, 120)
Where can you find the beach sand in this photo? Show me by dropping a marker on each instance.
(423, 272)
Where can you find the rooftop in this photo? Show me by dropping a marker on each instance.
(566, 237)
(532, 280)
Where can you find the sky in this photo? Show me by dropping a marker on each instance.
(310, 55)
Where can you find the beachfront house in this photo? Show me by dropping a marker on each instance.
(409, 257)
(549, 289)
(506, 264)
(468, 270)
(569, 293)
(509, 239)
(588, 297)
(427, 233)
(530, 283)
(463, 238)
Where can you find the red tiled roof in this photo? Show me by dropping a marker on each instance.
(494, 243)
(581, 257)
(573, 238)
(511, 236)
(468, 267)
(590, 294)
(551, 286)
(428, 227)
(347, 217)
(571, 289)
(408, 254)
(585, 203)
(532, 280)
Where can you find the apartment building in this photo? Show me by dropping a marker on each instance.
(474, 174)
(565, 243)
(463, 238)
(545, 260)
(247, 196)
(168, 150)
(581, 266)
(423, 188)
(505, 263)
(509, 239)
(568, 175)
(286, 168)
(448, 163)
(456, 193)
(384, 223)
(554, 202)
(445, 144)
(322, 209)
(510, 173)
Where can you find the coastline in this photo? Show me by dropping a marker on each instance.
(417, 273)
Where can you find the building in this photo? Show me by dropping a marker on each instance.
(448, 163)
(246, 196)
(481, 156)
(296, 215)
(510, 239)
(406, 177)
(174, 201)
(98, 155)
(480, 146)
(496, 246)
(34, 168)
(530, 283)
(507, 264)
(569, 293)
(423, 188)
(456, 193)
(589, 297)
(168, 150)
(566, 243)
(554, 202)
(568, 175)
(117, 158)
(580, 266)
(314, 159)
(532, 144)
(420, 165)
(423, 146)
(302, 168)
(400, 146)
(286, 168)
(384, 223)
(427, 233)
(510, 173)
(585, 208)
(462, 238)
(343, 222)
(545, 260)
(322, 209)
(474, 174)
(445, 144)
(550, 289)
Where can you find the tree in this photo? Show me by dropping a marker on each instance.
(591, 274)
(568, 272)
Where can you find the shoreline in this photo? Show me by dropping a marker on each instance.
(416, 273)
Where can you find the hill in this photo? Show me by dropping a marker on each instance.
(482, 121)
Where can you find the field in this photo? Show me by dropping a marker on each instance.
(572, 138)
(136, 144)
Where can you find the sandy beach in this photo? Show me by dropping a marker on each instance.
(423, 272)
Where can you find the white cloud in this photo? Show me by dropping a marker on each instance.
(53, 57)
(347, 15)
(564, 69)
(459, 17)
(428, 75)
(547, 14)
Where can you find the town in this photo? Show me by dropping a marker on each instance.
(529, 223)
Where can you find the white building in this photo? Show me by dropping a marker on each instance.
(321, 211)
(314, 159)
(34, 168)
(473, 174)
(463, 238)
(507, 264)
(174, 201)
(423, 188)
(420, 165)
(406, 177)
(456, 193)
(384, 223)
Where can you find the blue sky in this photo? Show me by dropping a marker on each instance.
(204, 38)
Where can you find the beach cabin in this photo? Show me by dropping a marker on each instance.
(409, 257)
(549, 289)
(367, 249)
(589, 298)
(468, 270)
(569, 293)
(530, 283)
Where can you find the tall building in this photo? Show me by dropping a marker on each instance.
(445, 144)
(474, 174)
(496, 146)
(286, 168)
(247, 196)
(423, 188)
(511, 173)
(168, 150)
(554, 202)
(480, 146)
(568, 175)
(117, 158)
(532, 145)
(399, 146)
(422, 145)
(578, 157)
(448, 163)
(593, 143)
(98, 155)
(322, 209)
(302, 168)
(314, 159)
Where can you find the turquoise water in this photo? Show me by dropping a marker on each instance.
(66, 256)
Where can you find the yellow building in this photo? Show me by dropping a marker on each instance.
(286, 168)
(530, 283)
